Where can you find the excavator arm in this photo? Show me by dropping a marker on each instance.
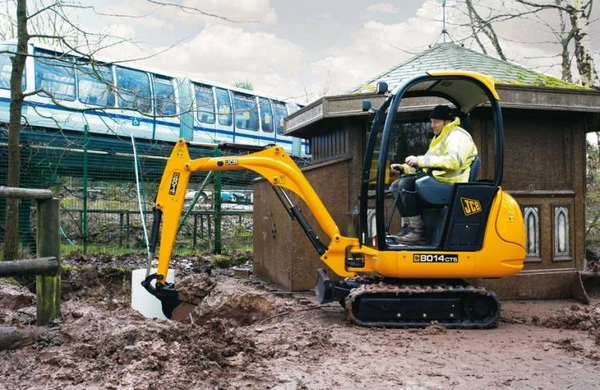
(274, 165)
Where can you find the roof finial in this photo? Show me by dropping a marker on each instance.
(444, 30)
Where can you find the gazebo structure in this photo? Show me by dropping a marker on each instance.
(545, 120)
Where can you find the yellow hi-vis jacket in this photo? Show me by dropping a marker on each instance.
(450, 154)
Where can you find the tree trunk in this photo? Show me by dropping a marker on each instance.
(583, 54)
(564, 39)
(11, 236)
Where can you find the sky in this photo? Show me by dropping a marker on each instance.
(300, 50)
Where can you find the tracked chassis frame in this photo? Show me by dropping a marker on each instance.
(409, 303)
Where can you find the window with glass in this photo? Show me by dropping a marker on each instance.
(266, 114)
(409, 138)
(6, 68)
(246, 111)
(205, 103)
(95, 85)
(224, 106)
(164, 95)
(280, 115)
(133, 90)
(55, 73)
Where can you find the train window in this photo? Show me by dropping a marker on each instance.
(224, 107)
(6, 70)
(164, 95)
(95, 85)
(246, 112)
(280, 114)
(134, 90)
(205, 103)
(266, 114)
(55, 74)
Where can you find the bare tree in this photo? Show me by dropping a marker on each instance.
(49, 21)
(478, 24)
(572, 37)
(11, 242)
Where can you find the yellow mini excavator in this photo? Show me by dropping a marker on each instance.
(474, 229)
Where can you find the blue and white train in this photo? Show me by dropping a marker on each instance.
(125, 99)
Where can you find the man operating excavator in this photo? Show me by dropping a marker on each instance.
(448, 160)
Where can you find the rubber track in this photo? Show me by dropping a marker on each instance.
(406, 290)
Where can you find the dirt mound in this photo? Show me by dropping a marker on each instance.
(14, 297)
(126, 348)
(194, 288)
(16, 305)
(100, 342)
(581, 317)
(237, 309)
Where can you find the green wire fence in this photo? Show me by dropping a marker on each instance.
(94, 177)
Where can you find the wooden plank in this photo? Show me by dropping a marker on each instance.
(43, 266)
(24, 193)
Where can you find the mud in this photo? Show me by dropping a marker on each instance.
(244, 334)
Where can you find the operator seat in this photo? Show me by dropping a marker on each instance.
(475, 168)
(437, 194)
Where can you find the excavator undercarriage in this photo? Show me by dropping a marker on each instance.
(399, 303)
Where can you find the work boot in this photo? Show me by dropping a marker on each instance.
(416, 233)
(405, 227)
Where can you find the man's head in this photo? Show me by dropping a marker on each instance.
(440, 116)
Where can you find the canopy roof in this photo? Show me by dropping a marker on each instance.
(450, 56)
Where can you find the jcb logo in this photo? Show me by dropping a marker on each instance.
(470, 206)
(174, 183)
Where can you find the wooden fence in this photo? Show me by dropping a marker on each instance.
(47, 266)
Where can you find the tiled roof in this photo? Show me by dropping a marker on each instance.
(450, 56)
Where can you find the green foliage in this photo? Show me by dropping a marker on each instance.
(221, 261)
(244, 85)
(241, 238)
(11, 280)
(115, 249)
(228, 261)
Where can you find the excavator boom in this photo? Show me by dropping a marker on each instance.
(275, 166)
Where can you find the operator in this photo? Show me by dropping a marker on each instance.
(448, 159)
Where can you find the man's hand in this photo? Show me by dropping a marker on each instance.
(398, 168)
(411, 161)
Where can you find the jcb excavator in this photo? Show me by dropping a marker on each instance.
(474, 229)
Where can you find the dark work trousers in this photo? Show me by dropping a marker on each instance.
(403, 190)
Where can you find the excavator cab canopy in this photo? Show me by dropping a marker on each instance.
(466, 92)
(462, 89)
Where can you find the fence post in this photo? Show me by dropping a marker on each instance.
(84, 221)
(48, 245)
(194, 236)
(217, 207)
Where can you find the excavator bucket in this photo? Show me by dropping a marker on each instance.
(178, 305)
(165, 293)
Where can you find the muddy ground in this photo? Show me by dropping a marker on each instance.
(246, 335)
